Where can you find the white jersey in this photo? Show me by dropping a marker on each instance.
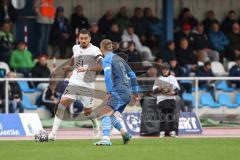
(85, 57)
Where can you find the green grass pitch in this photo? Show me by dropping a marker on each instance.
(139, 149)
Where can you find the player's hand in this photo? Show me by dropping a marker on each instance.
(66, 68)
(81, 69)
(136, 98)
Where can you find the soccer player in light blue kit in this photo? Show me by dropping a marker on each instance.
(121, 84)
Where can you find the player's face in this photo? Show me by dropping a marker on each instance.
(84, 40)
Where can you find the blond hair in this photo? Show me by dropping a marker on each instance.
(107, 45)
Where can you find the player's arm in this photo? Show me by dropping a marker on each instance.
(134, 83)
(69, 66)
(98, 66)
(107, 68)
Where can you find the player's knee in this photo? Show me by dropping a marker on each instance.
(87, 111)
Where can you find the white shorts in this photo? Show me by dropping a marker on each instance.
(85, 95)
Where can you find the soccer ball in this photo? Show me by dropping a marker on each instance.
(41, 136)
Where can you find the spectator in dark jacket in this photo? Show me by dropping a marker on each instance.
(201, 45)
(7, 12)
(233, 49)
(41, 70)
(78, 20)
(7, 42)
(49, 99)
(186, 17)
(105, 22)
(15, 95)
(185, 32)
(217, 39)
(207, 22)
(96, 36)
(60, 34)
(138, 24)
(228, 21)
(122, 19)
(133, 54)
(235, 72)
(170, 51)
(154, 28)
(206, 71)
(186, 57)
(114, 34)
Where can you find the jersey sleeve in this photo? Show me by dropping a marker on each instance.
(98, 55)
(133, 78)
(107, 68)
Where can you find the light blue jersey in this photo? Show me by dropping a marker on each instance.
(120, 81)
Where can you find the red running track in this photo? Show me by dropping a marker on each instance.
(87, 134)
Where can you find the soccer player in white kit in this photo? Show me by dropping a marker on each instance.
(85, 62)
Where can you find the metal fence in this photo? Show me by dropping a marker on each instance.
(195, 79)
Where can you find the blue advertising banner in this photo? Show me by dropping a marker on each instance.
(11, 125)
(188, 123)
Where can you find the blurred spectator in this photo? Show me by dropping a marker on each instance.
(60, 32)
(176, 70)
(235, 72)
(7, 12)
(96, 36)
(129, 35)
(138, 24)
(45, 11)
(184, 33)
(147, 85)
(41, 70)
(217, 39)
(21, 59)
(133, 54)
(228, 21)
(202, 46)
(206, 71)
(78, 20)
(186, 57)
(114, 34)
(207, 22)
(233, 49)
(6, 42)
(15, 95)
(154, 28)
(49, 99)
(186, 17)
(105, 22)
(122, 19)
(170, 51)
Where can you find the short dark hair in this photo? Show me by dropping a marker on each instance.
(207, 63)
(85, 31)
(238, 58)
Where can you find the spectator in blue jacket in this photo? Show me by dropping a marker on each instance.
(217, 39)
(235, 72)
(206, 71)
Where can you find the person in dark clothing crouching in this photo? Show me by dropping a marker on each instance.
(166, 88)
